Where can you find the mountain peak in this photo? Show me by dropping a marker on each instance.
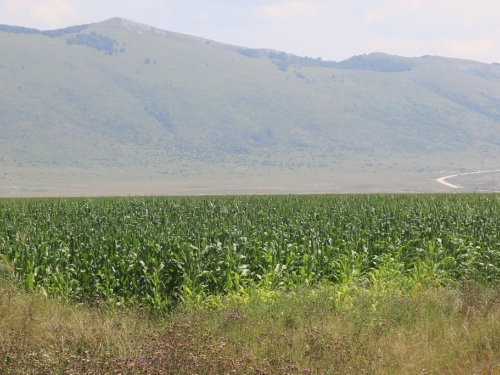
(140, 28)
(127, 24)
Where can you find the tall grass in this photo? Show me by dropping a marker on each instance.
(438, 331)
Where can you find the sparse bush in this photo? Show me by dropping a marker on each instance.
(95, 41)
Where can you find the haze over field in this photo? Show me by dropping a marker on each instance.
(119, 107)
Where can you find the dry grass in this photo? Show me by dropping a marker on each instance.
(445, 331)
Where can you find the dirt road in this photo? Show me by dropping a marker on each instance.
(442, 180)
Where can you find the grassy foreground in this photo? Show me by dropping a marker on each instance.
(437, 331)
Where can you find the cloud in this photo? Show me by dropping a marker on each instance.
(290, 9)
(202, 16)
(414, 4)
(454, 28)
(481, 48)
(41, 13)
(375, 15)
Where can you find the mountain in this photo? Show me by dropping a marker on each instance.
(117, 108)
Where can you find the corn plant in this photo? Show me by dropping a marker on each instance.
(157, 251)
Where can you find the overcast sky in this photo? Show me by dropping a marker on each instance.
(333, 30)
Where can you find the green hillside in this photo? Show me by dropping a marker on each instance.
(122, 108)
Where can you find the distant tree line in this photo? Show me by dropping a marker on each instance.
(95, 41)
(18, 30)
(378, 63)
(67, 30)
(283, 60)
(49, 33)
(248, 52)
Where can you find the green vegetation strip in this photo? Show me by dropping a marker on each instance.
(155, 252)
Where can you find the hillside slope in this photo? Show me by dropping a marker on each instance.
(122, 108)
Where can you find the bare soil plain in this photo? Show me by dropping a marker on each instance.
(312, 175)
(306, 183)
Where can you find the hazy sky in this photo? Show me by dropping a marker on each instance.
(332, 30)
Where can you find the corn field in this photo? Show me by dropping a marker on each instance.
(155, 252)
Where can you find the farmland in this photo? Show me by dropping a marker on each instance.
(154, 252)
(251, 285)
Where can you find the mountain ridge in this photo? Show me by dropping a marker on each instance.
(181, 112)
(146, 29)
(141, 28)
